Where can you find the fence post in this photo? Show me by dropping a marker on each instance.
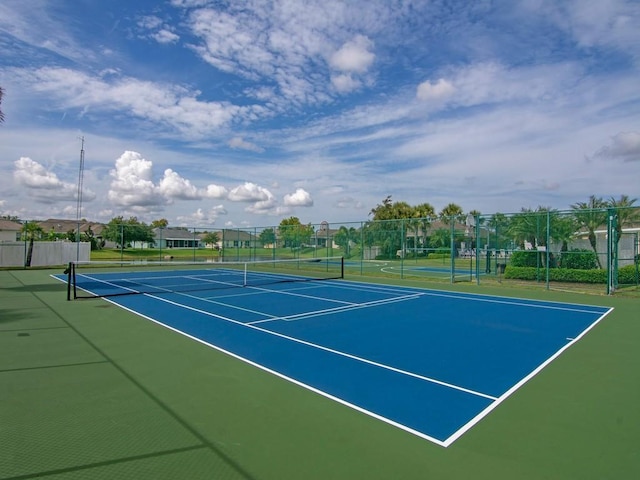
(547, 242)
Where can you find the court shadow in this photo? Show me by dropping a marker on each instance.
(10, 315)
(39, 287)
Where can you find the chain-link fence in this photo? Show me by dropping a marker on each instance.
(588, 250)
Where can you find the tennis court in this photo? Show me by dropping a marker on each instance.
(91, 390)
(429, 362)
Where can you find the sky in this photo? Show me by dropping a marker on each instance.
(236, 113)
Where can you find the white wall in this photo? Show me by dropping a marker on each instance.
(13, 254)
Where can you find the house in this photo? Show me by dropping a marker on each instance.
(324, 236)
(176, 238)
(628, 245)
(9, 231)
(60, 227)
(238, 239)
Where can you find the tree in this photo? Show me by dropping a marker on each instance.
(383, 211)
(452, 212)
(441, 238)
(423, 214)
(293, 233)
(387, 227)
(590, 215)
(267, 237)
(160, 223)
(89, 236)
(563, 229)
(123, 232)
(499, 223)
(625, 213)
(31, 231)
(530, 226)
(345, 238)
(211, 238)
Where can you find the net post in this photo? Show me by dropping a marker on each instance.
(68, 272)
(73, 279)
(244, 281)
(342, 267)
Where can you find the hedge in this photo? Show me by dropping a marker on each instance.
(626, 275)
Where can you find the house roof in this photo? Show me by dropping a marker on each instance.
(174, 234)
(229, 235)
(10, 225)
(58, 225)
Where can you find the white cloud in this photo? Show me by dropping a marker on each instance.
(349, 203)
(353, 56)
(612, 24)
(249, 192)
(150, 22)
(165, 36)
(202, 218)
(173, 185)
(301, 198)
(289, 45)
(438, 91)
(45, 185)
(132, 183)
(267, 207)
(157, 29)
(240, 143)
(345, 83)
(624, 146)
(167, 106)
(215, 191)
(263, 201)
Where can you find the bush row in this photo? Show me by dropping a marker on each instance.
(626, 275)
(579, 259)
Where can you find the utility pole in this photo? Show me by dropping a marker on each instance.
(79, 197)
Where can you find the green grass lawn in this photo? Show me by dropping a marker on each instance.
(91, 391)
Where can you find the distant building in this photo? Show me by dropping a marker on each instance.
(230, 238)
(323, 237)
(9, 231)
(61, 227)
(176, 238)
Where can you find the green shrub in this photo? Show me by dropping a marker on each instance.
(578, 276)
(556, 274)
(627, 275)
(524, 258)
(521, 273)
(579, 259)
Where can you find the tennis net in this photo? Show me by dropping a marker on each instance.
(97, 279)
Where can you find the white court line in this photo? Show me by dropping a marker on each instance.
(346, 308)
(289, 379)
(544, 304)
(327, 349)
(509, 392)
(447, 442)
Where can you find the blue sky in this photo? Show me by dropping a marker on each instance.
(242, 113)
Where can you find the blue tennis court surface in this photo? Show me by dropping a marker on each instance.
(433, 363)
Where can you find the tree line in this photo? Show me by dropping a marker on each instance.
(383, 227)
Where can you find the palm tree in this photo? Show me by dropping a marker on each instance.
(31, 230)
(590, 215)
(625, 212)
(451, 213)
(499, 223)
(563, 229)
(344, 238)
(423, 214)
